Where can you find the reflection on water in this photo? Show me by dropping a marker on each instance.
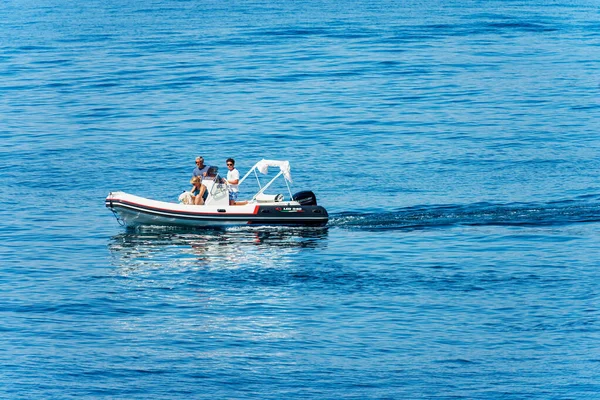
(192, 286)
(213, 249)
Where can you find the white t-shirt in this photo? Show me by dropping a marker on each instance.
(233, 175)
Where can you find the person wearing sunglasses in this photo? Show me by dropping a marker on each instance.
(233, 180)
(200, 169)
(197, 190)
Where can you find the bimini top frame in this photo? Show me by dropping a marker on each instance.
(263, 167)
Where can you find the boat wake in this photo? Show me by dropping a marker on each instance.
(478, 214)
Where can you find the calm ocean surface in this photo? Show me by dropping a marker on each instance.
(456, 145)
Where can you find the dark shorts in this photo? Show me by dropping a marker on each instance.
(233, 196)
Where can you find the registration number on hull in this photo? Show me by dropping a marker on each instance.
(289, 209)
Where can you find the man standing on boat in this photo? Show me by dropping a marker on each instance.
(233, 180)
(200, 169)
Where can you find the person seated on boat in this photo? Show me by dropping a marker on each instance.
(197, 190)
(201, 170)
(233, 180)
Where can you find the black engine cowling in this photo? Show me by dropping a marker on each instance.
(305, 198)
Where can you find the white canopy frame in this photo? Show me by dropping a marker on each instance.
(263, 167)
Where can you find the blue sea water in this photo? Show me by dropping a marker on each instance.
(455, 143)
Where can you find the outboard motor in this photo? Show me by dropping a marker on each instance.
(305, 198)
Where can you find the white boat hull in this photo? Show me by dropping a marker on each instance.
(136, 211)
